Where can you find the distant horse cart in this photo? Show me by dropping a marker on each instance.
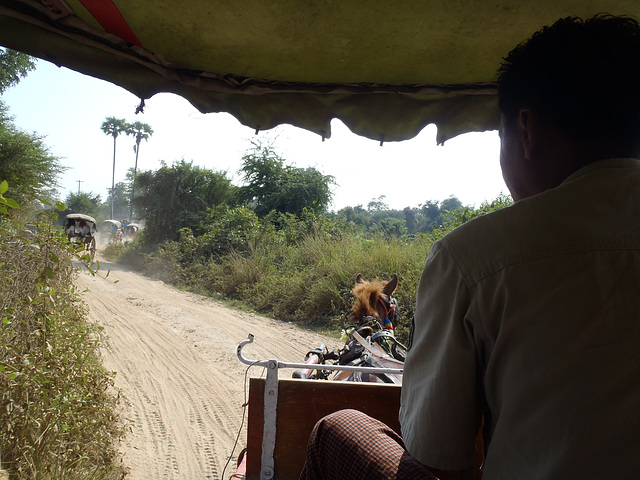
(111, 231)
(81, 230)
(131, 230)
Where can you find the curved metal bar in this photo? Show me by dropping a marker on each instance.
(270, 410)
(265, 363)
(241, 356)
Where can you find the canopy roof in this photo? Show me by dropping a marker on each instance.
(80, 216)
(111, 222)
(386, 69)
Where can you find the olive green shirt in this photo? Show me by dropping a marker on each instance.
(534, 310)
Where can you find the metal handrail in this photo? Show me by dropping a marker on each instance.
(322, 366)
(271, 398)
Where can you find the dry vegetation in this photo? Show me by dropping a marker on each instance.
(294, 268)
(58, 406)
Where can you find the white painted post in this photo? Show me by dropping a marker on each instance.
(270, 418)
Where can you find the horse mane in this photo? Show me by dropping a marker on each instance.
(367, 294)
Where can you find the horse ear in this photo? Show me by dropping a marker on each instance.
(373, 299)
(391, 286)
(359, 278)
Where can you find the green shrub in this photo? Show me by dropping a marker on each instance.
(58, 406)
(230, 230)
(299, 268)
(310, 282)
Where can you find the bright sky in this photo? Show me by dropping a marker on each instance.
(68, 109)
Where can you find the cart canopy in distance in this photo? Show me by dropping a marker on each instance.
(80, 217)
(110, 224)
(132, 228)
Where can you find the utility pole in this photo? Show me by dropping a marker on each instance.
(79, 182)
(136, 148)
(113, 176)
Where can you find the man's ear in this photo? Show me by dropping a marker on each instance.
(526, 131)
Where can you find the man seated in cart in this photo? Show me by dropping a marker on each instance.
(529, 317)
(85, 230)
(71, 229)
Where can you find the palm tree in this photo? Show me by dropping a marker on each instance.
(114, 126)
(141, 131)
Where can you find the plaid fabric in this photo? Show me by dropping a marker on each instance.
(350, 445)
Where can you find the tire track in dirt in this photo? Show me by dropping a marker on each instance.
(174, 357)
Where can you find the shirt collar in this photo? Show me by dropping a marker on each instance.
(607, 163)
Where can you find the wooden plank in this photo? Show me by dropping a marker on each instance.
(301, 403)
(255, 423)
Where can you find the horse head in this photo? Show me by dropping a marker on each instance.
(373, 299)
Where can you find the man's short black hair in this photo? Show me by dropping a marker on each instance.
(582, 75)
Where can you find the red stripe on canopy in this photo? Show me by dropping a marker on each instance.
(110, 18)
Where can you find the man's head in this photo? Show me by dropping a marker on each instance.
(569, 95)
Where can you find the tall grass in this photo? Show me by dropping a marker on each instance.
(312, 283)
(58, 406)
(296, 269)
(308, 282)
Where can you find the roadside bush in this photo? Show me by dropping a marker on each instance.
(300, 268)
(310, 282)
(297, 229)
(231, 230)
(58, 406)
(133, 253)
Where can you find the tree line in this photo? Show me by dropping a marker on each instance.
(181, 195)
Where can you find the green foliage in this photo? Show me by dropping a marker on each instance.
(13, 67)
(463, 215)
(57, 406)
(121, 195)
(301, 267)
(295, 229)
(118, 199)
(179, 196)
(230, 230)
(272, 185)
(378, 218)
(86, 203)
(378, 204)
(450, 204)
(115, 126)
(133, 253)
(140, 131)
(6, 203)
(25, 162)
(357, 216)
(311, 282)
(430, 211)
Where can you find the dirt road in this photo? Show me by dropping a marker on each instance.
(174, 354)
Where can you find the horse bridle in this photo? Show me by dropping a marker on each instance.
(390, 312)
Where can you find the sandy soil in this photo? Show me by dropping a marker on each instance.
(174, 354)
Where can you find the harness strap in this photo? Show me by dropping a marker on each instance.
(390, 312)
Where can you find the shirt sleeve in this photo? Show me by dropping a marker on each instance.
(439, 414)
